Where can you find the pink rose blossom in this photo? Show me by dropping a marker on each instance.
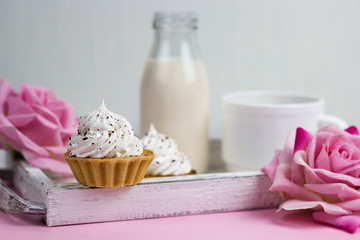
(320, 172)
(36, 124)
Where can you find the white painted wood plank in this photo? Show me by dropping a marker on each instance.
(159, 199)
(10, 202)
(31, 182)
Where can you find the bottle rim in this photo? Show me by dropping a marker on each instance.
(174, 20)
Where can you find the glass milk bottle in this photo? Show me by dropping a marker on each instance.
(175, 89)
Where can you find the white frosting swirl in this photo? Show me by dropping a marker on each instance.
(102, 133)
(168, 159)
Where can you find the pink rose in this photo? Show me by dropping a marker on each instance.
(320, 172)
(36, 124)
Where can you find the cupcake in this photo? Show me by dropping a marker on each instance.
(105, 152)
(168, 161)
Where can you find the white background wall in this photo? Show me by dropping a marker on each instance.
(86, 51)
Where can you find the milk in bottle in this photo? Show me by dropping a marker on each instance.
(174, 87)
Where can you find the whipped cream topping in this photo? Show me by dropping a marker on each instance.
(102, 133)
(168, 159)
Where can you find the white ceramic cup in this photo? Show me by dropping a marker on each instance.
(256, 123)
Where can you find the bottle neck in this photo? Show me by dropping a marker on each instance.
(179, 43)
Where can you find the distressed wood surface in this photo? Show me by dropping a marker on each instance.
(10, 202)
(68, 202)
(31, 182)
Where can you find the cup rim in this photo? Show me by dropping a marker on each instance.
(309, 99)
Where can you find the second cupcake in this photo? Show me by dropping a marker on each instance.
(168, 161)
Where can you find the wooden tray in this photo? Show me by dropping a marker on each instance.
(68, 202)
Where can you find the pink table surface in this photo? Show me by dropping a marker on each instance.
(256, 224)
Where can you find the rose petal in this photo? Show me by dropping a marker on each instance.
(334, 142)
(347, 222)
(270, 169)
(36, 95)
(17, 106)
(49, 131)
(330, 177)
(342, 191)
(57, 152)
(43, 99)
(302, 139)
(19, 121)
(283, 184)
(65, 112)
(352, 130)
(331, 129)
(322, 160)
(50, 164)
(283, 180)
(11, 136)
(288, 150)
(353, 205)
(309, 174)
(315, 146)
(297, 171)
(354, 170)
(6, 91)
(295, 204)
(48, 115)
(339, 164)
(355, 139)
